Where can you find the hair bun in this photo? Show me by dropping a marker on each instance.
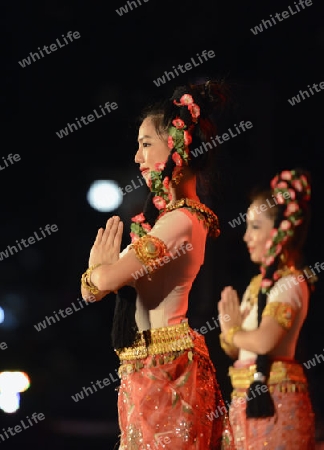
(210, 97)
(215, 95)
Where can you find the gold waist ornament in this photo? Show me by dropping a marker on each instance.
(288, 376)
(158, 341)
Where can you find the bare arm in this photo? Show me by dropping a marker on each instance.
(122, 273)
(262, 340)
(277, 319)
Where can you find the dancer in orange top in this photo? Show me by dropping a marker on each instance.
(168, 383)
(270, 403)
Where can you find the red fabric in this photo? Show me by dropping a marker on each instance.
(167, 405)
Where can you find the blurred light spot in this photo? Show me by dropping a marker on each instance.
(1, 315)
(9, 401)
(104, 195)
(15, 305)
(11, 383)
(14, 381)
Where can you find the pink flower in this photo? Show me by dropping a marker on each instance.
(170, 142)
(269, 260)
(187, 138)
(146, 226)
(285, 175)
(268, 244)
(166, 182)
(266, 282)
(304, 180)
(282, 185)
(186, 99)
(297, 184)
(178, 123)
(274, 182)
(278, 249)
(292, 194)
(285, 225)
(177, 159)
(273, 233)
(276, 276)
(159, 202)
(159, 166)
(298, 222)
(291, 208)
(194, 110)
(139, 218)
(134, 237)
(280, 198)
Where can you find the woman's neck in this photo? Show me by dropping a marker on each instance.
(185, 189)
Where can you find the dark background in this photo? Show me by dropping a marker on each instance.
(116, 59)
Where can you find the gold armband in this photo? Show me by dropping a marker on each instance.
(151, 251)
(86, 280)
(283, 313)
(230, 334)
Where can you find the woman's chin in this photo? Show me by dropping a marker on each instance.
(255, 259)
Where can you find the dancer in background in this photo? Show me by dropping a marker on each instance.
(270, 405)
(168, 383)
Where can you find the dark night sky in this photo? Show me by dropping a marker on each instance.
(116, 59)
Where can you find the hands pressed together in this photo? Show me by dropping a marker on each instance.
(106, 247)
(229, 307)
(104, 251)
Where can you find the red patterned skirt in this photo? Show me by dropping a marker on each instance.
(168, 393)
(292, 427)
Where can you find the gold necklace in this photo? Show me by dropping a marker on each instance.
(255, 284)
(203, 213)
(254, 288)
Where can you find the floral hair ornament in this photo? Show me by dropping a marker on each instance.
(179, 139)
(180, 135)
(288, 189)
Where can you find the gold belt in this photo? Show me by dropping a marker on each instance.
(157, 341)
(288, 377)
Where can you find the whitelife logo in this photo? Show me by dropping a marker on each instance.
(31, 240)
(53, 47)
(284, 15)
(11, 431)
(49, 320)
(130, 4)
(9, 159)
(91, 118)
(183, 68)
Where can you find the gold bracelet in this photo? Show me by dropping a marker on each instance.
(86, 280)
(228, 348)
(230, 334)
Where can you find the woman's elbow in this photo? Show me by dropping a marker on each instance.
(265, 346)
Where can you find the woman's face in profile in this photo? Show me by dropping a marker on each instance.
(258, 230)
(152, 149)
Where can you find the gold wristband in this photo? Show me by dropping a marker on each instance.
(86, 280)
(228, 348)
(230, 334)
